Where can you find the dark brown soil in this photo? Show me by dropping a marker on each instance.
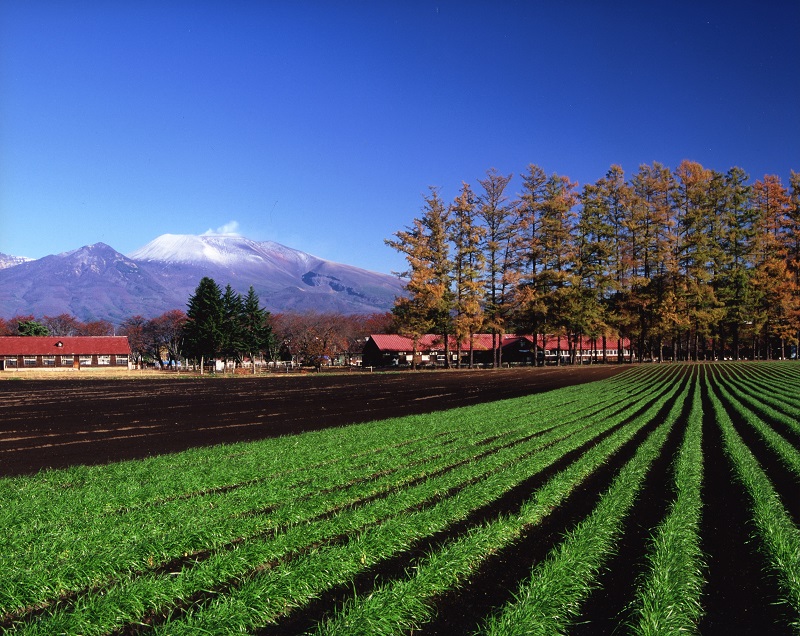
(59, 423)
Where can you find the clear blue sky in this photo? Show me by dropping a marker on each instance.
(321, 125)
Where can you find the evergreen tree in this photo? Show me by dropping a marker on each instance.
(232, 329)
(617, 204)
(32, 328)
(793, 252)
(256, 335)
(203, 332)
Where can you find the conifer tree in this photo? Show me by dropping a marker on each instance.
(499, 220)
(737, 217)
(468, 263)
(256, 335)
(531, 310)
(557, 242)
(232, 328)
(203, 331)
(772, 279)
(652, 219)
(429, 301)
(593, 260)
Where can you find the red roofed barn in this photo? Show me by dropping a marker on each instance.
(393, 350)
(74, 352)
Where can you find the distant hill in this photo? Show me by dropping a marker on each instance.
(96, 282)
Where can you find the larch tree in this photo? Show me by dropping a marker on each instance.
(593, 263)
(695, 293)
(557, 241)
(428, 278)
(652, 195)
(772, 278)
(499, 221)
(737, 218)
(466, 237)
(531, 310)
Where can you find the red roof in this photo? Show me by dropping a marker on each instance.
(63, 345)
(483, 342)
(429, 341)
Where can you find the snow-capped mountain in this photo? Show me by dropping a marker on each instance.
(97, 282)
(10, 261)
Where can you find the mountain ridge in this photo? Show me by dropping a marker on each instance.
(96, 282)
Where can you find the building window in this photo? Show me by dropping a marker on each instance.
(30, 361)
(11, 361)
(103, 360)
(49, 361)
(86, 361)
(122, 361)
(66, 361)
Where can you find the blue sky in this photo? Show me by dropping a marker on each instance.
(321, 125)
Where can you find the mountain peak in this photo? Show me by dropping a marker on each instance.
(97, 281)
(217, 249)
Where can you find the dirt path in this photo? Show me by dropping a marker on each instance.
(58, 423)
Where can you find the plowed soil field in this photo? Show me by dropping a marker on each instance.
(62, 422)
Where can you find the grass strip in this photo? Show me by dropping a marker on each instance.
(274, 593)
(406, 604)
(668, 601)
(780, 537)
(551, 599)
(129, 599)
(757, 398)
(100, 552)
(785, 451)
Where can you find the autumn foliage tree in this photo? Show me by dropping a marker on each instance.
(429, 300)
(687, 264)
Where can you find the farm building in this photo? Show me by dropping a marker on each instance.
(394, 350)
(389, 349)
(53, 352)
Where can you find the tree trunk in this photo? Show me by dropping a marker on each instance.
(471, 351)
(500, 353)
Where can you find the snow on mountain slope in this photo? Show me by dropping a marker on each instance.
(96, 282)
(7, 260)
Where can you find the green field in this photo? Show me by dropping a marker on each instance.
(574, 510)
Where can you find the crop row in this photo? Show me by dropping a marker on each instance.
(117, 542)
(376, 528)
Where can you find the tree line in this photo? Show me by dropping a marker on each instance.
(688, 263)
(221, 324)
(60, 325)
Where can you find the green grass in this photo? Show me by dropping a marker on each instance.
(153, 530)
(669, 599)
(779, 535)
(407, 603)
(238, 537)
